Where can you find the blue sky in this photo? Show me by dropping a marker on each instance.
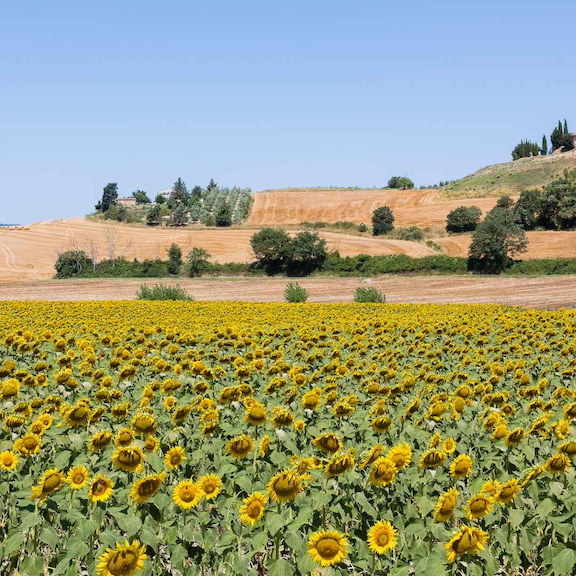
(269, 94)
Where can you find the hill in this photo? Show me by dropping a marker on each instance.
(512, 177)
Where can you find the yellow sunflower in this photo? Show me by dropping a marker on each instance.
(374, 453)
(327, 547)
(558, 464)
(125, 560)
(444, 509)
(211, 485)
(468, 540)
(174, 458)
(339, 465)
(100, 489)
(568, 448)
(461, 466)
(479, 506)
(146, 488)
(144, 423)
(125, 437)
(8, 460)
(532, 474)
(383, 471)
(78, 477)
(508, 491)
(284, 486)
(253, 508)
(490, 487)
(240, 446)
(264, 446)
(151, 444)
(432, 459)
(51, 481)
(100, 441)
(515, 437)
(187, 494)
(328, 443)
(29, 444)
(130, 459)
(256, 414)
(382, 537)
(401, 455)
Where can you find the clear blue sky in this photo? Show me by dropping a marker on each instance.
(269, 94)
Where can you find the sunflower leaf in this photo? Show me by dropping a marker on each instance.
(564, 562)
(280, 568)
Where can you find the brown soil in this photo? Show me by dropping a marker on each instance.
(548, 292)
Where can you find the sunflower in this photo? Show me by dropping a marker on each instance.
(339, 465)
(444, 509)
(130, 459)
(78, 477)
(299, 426)
(125, 560)
(174, 458)
(558, 464)
(144, 423)
(383, 471)
(282, 418)
(240, 446)
(432, 459)
(256, 414)
(449, 445)
(51, 481)
(146, 488)
(8, 460)
(479, 506)
(532, 474)
(77, 415)
(468, 540)
(151, 444)
(515, 437)
(382, 537)
(100, 441)
(401, 455)
(490, 487)
(264, 446)
(375, 452)
(328, 443)
(568, 448)
(500, 431)
(100, 489)
(187, 494)
(29, 444)
(253, 508)
(461, 466)
(327, 547)
(211, 485)
(284, 486)
(381, 424)
(507, 492)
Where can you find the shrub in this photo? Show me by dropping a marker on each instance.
(382, 221)
(411, 234)
(463, 219)
(371, 294)
(174, 259)
(197, 262)
(161, 292)
(295, 293)
(72, 263)
(362, 228)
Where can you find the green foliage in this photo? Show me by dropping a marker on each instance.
(566, 142)
(178, 215)
(223, 214)
(561, 137)
(362, 228)
(179, 191)
(400, 182)
(504, 202)
(153, 218)
(141, 197)
(369, 295)
(72, 263)
(109, 197)
(270, 248)
(295, 293)
(525, 149)
(544, 146)
(197, 262)
(382, 221)
(160, 199)
(558, 204)
(161, 292)
(463, 219)
(496, 240)
(410, 234)
(305, 253)
(527, 208)
(174, 259)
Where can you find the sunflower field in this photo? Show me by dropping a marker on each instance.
(189, 438)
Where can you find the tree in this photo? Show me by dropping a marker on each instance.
(527, 208)
(211, 186)
(504, 202)
(196, 193)
(223, 214)
(141, 197)
(270, 247)
(382, 221)
(558, 205)
(463, 219)
(160, 199)
(525, 149)
(154, 215)
(179, 191)
(197, 262)
(400, 182)
(565, 126)
(566, 142)
(178, 215)
(496, 240)
(306, 252)
(556, 136)
(544, 149)
(72, 263)
(174, 259)
(109, 197)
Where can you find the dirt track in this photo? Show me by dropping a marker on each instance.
(549, 292)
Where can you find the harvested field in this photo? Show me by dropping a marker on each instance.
(550, 292)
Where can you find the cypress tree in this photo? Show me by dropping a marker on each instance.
(565, 126)
(544, 149)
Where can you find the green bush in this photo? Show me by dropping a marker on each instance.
(362, 227)
(161, 292)
(371, 294)
(463, 219)
(411, 234)
(382, 221)
(72, 263)
(295, 293)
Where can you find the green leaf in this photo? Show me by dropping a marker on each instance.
(155, 462)
(280, 568)
(29, 520)
(545, 508)
(227, 539)
(76, 548)
(129, 524)
(563, 562)
(63, 459)
(404, 570)
(516, 518)
(13, 543)
(33, 564)
(49, 536)
(274, 522)
(87, 529)
(178, 554)
(148, 536)
(362, 501)
(259, 541)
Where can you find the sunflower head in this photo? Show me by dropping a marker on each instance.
(432, 459)
(284, 486)
(383, 471)
(401, 455)
(187, 494)
(468, 540)
(382, 537)
(78, 477)
(461, 466)
(174, 458)
(51, 481)
(253, 508)
(210, 485)
(339, 465)
(479, 506)
(100, 489)
(328, 547)
(8, 460)
(146, 488)
(444, 509)
(130, 459)
(558, 464)
(507, 492)
(240, 447)
(328, 443)
(125, 560)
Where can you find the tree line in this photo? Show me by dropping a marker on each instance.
(560, 139)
